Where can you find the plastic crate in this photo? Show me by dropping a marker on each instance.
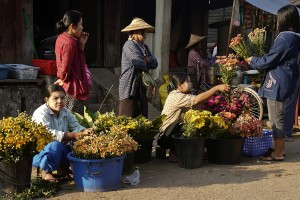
(47, 67)
(20, 71)
(257, 146)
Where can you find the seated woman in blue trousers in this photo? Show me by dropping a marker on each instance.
(63, 126)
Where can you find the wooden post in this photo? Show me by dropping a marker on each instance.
(231, 24)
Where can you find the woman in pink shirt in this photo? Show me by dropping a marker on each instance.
(196, 60)
(72, 72)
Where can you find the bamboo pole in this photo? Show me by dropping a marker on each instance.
(231, 25)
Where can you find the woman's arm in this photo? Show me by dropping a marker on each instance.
(272, 59)
(205, 95)
(135, 55)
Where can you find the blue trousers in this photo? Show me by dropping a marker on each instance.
(51, 157)
(289, 113)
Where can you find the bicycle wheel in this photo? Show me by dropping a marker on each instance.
(256, 107)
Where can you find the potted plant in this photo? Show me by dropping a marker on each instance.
(226, 146)
(97, 160)
(143, 131)
(20, 139)
(140, 129)
(257, 141)
(196, 125)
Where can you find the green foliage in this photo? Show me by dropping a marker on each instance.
(40, 188)
(88, 118)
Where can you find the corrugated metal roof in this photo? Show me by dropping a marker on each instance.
(214, 16)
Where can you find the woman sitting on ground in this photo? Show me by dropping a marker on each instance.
(64, 127)
(179, 101)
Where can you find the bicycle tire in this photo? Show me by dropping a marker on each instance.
(256, 107)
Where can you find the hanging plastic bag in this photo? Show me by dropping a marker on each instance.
(163, 90)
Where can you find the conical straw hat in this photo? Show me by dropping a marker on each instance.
(138, 24)
(194, 39)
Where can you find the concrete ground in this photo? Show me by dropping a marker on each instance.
(250, 179)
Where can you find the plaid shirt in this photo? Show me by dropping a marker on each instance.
(132, 63)
(176, 104)
(194, 68)
(71, 70)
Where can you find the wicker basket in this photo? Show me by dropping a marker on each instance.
(20, 71)
(257, 146)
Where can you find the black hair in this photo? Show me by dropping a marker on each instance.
(179, 78)
(288, 19)
(70, 17)
(53, 88)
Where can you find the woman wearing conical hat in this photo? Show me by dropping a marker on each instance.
(196, 59)
(136, 57)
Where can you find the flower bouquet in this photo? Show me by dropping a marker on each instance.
(236, 103)
(21, 138)
(247, 126)
(228, 67)
(257, 41)
(240, 46)
(254, 45)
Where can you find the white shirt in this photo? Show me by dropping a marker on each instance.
(57, 125)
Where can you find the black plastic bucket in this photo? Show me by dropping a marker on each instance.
(143, 154)
(15, 176)
(128, 166)
(225, 151)
(189, 152)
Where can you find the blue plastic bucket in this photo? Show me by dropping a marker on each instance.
(97, 175)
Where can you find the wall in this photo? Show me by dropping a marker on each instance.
(15, 41)
(20, 95)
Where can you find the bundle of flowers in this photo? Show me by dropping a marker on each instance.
(113, 143)
(228, 67)
(197, 123)
(247, 126)
(21, 138)
(257, 41)
(253, 46)
(239, 45)
(237, 102)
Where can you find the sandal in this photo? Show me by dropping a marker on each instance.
(271, 158)
(270, 153)
(49, 177)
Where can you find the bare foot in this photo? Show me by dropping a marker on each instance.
(48, 176)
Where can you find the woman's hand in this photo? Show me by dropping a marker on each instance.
(89, 131)
(59, 82)
(83, 39)
(249, 60)
(147, 60)
(224, 87)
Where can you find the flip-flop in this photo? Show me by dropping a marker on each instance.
(52, 180)
(271, 158)
(270, 151)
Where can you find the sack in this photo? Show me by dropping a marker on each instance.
(149, 83)
(163, 90)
